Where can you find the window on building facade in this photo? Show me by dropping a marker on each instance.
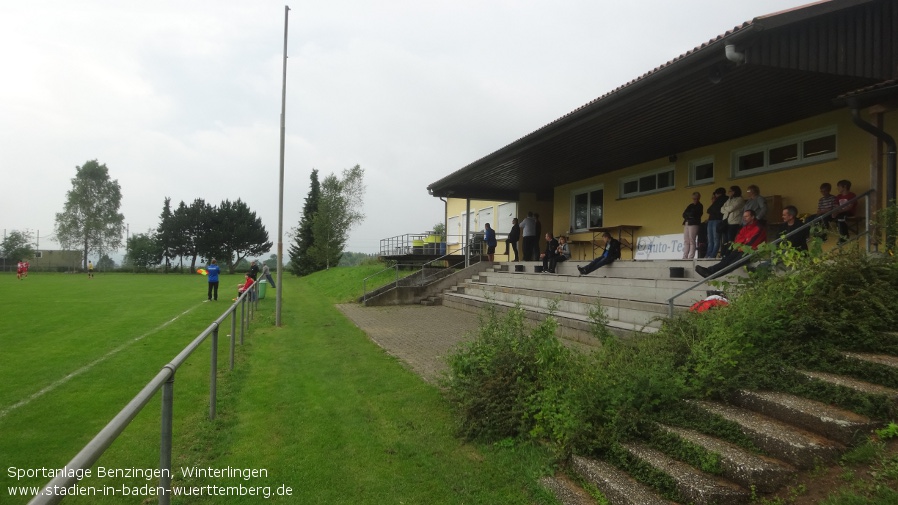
(586, 208)
(649, 182)
(701, 171)
(812, 147)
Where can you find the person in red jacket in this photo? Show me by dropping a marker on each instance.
(751, 234)
(842, 214)
(246, 285)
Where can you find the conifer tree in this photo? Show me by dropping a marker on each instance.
(301, 261)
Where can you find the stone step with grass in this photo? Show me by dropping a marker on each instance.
(616, 485)
(737, 464)
(792, 433)
(694, 485)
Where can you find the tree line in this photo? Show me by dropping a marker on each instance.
(229, 232)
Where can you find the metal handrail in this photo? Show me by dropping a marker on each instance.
(423, 268)
(746, 259)
(164, 380)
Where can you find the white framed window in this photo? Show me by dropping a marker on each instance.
(484, 216)
(701, 171)
(507, 212)
(647, 182)
(587, 207)
(805, 149)
(453, 230)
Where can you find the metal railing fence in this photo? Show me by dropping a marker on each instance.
(748, 257)
(422, 277)
(246, 304)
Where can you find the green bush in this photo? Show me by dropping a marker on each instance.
(514, 382)
(510, 380)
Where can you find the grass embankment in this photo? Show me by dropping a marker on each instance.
(313, 404)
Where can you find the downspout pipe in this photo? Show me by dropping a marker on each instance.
(733, 55)
(890, 156)
(445, 223)
(887, 139)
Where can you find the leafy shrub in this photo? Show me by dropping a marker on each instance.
(499, 381)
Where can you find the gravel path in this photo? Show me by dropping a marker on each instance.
(420, 336)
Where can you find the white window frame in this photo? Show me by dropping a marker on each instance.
(801, 160)
(673, 183)
(588, 191)
(694, 164)
(507, 212)
(453, 236)
(486, 215)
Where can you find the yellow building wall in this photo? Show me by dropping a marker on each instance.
(660, 213)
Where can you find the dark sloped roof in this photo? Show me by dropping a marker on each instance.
(796, 62)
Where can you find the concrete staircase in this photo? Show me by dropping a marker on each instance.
(793, 434)
(633, 293)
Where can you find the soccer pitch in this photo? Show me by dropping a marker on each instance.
(76, 350)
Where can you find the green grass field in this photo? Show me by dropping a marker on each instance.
(312, 405)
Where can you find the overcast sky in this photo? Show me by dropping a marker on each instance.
(182, 99)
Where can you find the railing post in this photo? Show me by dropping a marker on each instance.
(165, 444)
(233, 335)
(242, 320)
(212, 380)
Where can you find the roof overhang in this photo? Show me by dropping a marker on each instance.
(701, 98)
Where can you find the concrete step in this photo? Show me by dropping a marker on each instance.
(860, 386)
(431, 301)
(617, 486)
(696, 486)
(831, 422)
(797, 446)
(878, 359)
(572, 326)
(654, 269)
(636, 312)
(740, 466)
(648, 290)
(566, 491)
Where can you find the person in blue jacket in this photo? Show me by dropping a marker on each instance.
(489, 236)
(213, 271)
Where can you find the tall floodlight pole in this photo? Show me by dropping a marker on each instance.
(277, 310)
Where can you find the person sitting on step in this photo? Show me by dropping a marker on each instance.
(549, 257)
(751, 234)
(610, 254)
(562, 253)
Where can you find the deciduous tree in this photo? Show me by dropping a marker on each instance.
(339, 209)
(143, 251)
(17, 246)
(91, 217)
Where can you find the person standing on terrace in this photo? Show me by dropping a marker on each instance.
(692, 219)
(716, 223)
(489, 236)
(513, 236)
(528, 231)
(732, 214)
(756, 203)
(845, 195)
